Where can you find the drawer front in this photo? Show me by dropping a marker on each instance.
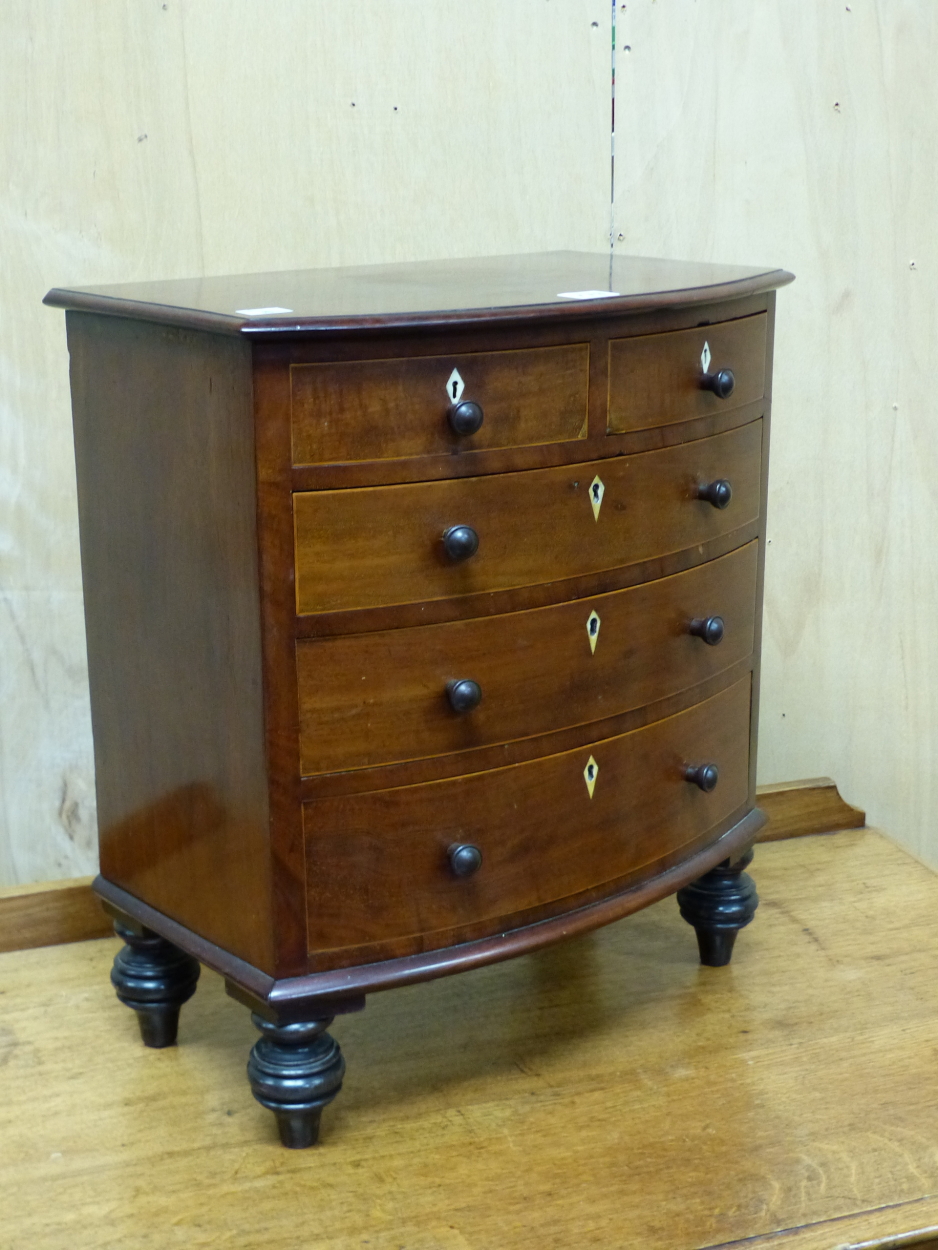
(370, 699)
(378, 863)
(384, 409)
(384, 545)
(656, 379)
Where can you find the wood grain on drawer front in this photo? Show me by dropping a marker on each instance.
(384, 409)
(377, 863)
(655, 379)
(376, 698)
(383, 545)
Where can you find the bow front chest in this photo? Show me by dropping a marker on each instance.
(423, 612)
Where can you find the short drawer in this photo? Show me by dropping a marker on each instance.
(379, 863)
(385, 409)
(385, 545)
(369, 699)
(655, 379)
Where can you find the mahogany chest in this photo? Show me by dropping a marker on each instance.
(423, 612)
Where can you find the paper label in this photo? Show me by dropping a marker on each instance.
(588, 295)
(262, 312)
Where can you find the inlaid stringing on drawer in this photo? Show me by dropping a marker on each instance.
(376, 698)
(381, 409)
(655, 379)
(383, 545)
(378, 862)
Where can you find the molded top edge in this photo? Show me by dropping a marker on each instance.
(535, 286)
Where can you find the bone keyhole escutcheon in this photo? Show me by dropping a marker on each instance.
(597, 490)
(455, 386)
(590, 773)
(592, 630)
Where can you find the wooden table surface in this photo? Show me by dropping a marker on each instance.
(605, 1092)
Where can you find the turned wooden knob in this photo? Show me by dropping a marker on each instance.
(709, 628)
(717, 493)
(466, 418)
(722, 383)
(460, 542)
(464, 695)
(464, 859)
(705, 776)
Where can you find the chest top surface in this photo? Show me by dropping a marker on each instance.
(537, 286)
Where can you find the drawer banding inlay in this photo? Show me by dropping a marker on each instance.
(380, 546)
(377, 862)
(377, 698)
(654, 379)
(347, 411)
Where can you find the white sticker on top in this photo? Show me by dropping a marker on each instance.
(261, 312)
(587, 294)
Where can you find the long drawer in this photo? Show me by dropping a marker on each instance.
(385, 545)
(382, 409)
(378, 864)
(655, 379)
(376, 698)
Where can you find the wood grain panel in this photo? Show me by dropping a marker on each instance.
(383, 545)
(375, 698)
(655, 379)
(50, 913)
(164, 451)
(829, 154)
(378, 865)
(610, 1067)
(382, 409)
(800, 808)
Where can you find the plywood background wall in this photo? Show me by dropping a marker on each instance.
(805, 132)
(144, 140)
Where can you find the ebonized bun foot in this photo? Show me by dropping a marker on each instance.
(295, 1070)
(718, 905)
(155, 978)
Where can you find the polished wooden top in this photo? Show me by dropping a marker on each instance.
(548, 286)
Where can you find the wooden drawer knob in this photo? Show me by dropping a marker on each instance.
(722, 383)
(709, 628)
(717, 493)
(705, 776)
(466, 418)
(464, 859)
(464, 695)
(460, 542)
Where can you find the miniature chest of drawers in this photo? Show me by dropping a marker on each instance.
(423, 611)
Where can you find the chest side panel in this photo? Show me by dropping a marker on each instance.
(164, 448)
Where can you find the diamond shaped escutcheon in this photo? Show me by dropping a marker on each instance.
(455, 387)
(597, 490)
(592, 630)
(590, 773)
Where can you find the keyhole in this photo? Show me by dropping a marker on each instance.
(591, 771)
(455, 389)
(596, 491)
(594, 627)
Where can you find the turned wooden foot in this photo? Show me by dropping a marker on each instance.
(155, 978)
(295, 1070)
(718, 905)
